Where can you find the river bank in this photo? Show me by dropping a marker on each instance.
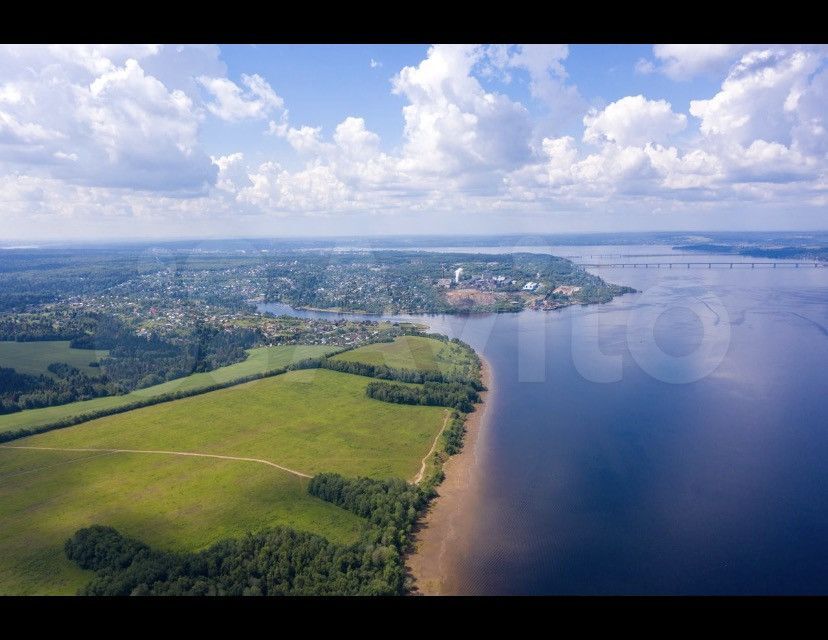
(448, 514)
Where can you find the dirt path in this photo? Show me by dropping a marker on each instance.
(169, 453)
(420, 473)
(417, 478)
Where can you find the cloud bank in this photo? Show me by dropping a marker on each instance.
(101, 133)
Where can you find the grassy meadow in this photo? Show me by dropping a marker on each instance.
(169, 502)
(310, 420)
(258, 361)
(412, 352)
(33, 358)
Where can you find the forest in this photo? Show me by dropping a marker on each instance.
(277, 561)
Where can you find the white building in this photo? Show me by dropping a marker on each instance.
(530, 286)
(457, 274)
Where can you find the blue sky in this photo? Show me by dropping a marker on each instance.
(326, 83)
(170, 140)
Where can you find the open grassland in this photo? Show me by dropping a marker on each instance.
(413, 352)
(33, 358)
(311, 420)
(169, 502)
(258, 361)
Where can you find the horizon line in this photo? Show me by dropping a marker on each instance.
(21, 242)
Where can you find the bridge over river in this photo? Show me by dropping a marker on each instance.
(705, 264)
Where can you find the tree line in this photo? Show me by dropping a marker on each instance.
(452, 394)
(383, 372)
(277, 561)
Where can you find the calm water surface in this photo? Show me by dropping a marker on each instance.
(673, 441)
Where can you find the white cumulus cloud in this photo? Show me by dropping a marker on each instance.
(684, 61)
(232, 103)
(452, 125)
(114, 133)
(633, 120)
(759, 98)
(75, 114)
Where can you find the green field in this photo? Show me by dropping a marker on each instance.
(167, 501)
(33, 358)
(309, 420)
(412, 352)
(258, 361)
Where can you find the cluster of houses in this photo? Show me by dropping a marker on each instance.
(487, 282)
(481, 282)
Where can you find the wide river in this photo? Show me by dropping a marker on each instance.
(673, 441)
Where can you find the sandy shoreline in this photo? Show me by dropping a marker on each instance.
(447, 515)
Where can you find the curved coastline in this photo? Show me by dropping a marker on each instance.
(447, 516)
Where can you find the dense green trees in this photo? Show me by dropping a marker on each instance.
(453, 434)
(452, 394)
(137, 361)
(34, 277)
(384, 372)
(13, 385)
(24, 391)
(276, 561)
(391, 505)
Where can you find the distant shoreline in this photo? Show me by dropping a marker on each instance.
(446, 516)
(338, 310)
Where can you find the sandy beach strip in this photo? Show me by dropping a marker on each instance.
(446, 522)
